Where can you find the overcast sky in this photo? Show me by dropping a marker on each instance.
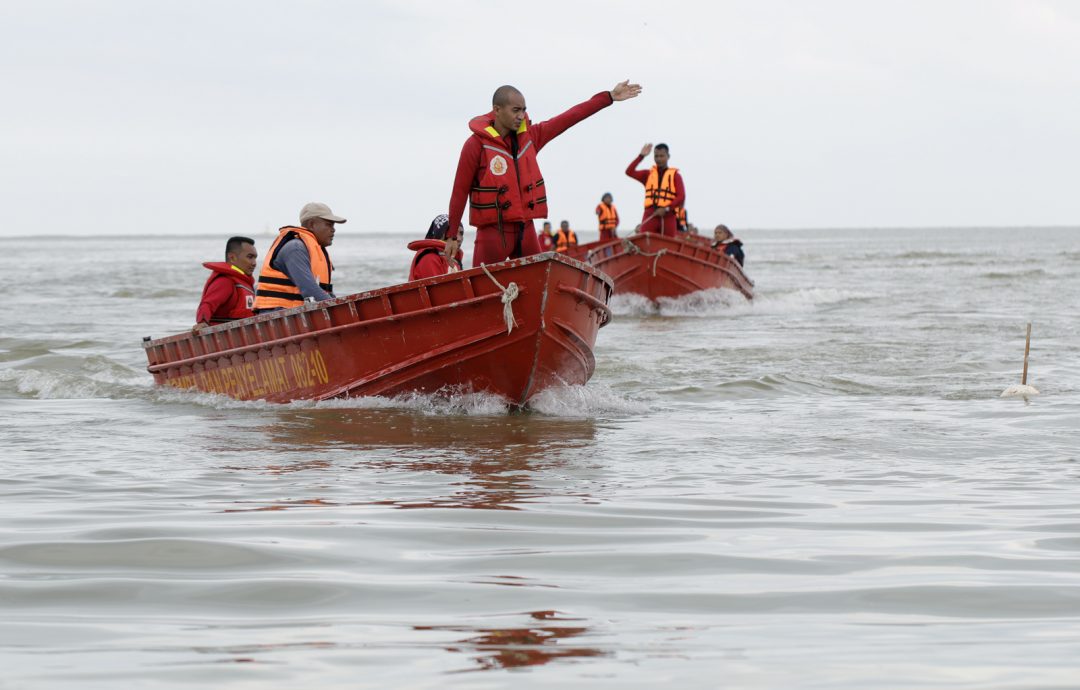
(207, 117)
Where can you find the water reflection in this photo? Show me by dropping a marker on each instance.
(513, 436)
(496, 456)
(532, 645)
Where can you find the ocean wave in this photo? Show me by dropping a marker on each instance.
(1009, 275)
(97, 377)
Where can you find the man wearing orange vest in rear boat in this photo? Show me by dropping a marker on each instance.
(565, 237)
(297, 267)
(498, 174)
(664, 191)
(429, 261)
(229, 293)
(680, 219)
(608, 216)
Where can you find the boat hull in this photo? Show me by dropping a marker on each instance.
(447, 332)
(659, 266)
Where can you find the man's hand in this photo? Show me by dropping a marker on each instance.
(198, 327)
(662, 211)
(646, 150)
(624, 90)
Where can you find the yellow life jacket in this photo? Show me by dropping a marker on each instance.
(275, 288)
(660, 192)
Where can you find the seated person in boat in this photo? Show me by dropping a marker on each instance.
(565, 238)
(546, 238)
(297, 267)
(664, 191)
(430, 258)
(608, 216)
(229, 293)
(726, 242)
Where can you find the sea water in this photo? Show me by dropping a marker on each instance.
(817, 489)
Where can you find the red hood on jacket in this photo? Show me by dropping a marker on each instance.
(481, 123)
(229, 271)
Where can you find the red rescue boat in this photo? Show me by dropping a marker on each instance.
(659, 266)
(513, 329)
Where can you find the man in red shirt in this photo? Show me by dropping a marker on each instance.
(664, 191)
(229, 292)
(498, 174)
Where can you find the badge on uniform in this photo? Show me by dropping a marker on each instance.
(497, 165)
(249, 301)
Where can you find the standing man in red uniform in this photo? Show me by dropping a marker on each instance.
(498, 174)
(664, 191)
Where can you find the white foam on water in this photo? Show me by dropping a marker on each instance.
(725, 302)
(444, 402)
(591, 400)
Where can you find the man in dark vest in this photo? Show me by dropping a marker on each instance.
(229, 292)
(498, 175)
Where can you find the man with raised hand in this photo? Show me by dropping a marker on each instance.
(664, 191)
(499, 176)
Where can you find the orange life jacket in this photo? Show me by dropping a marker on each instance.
(660, 192)
(275, 288)
(508, 188)
(609, 218)
(680, 217)
(564, 240)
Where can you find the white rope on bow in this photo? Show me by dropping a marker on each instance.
(509, 294)
(631, 248)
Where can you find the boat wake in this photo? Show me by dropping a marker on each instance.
(721, 302)
(100, 377)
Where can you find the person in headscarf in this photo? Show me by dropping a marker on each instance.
(430, 257)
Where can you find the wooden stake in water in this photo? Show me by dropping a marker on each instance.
(1027, 349)
(1023, 389)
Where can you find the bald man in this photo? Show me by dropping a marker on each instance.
(498, 174)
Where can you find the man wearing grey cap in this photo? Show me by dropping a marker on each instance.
(297, 267)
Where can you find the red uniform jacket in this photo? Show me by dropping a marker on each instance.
(547, 242)
(429, 260)
(229, 294)
(667, 224)
(479, 164)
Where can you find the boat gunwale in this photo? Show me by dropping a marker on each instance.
(377, 293)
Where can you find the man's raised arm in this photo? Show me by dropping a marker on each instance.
(544, 132)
